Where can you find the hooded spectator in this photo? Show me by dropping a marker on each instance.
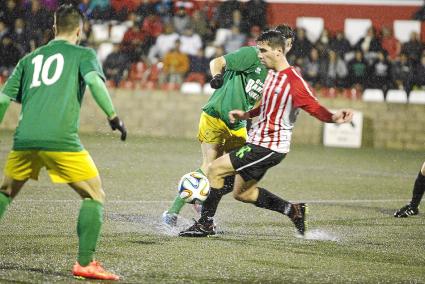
(333, 71)
(340, 45)
(413, 48)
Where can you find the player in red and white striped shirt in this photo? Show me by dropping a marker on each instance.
(284, 94)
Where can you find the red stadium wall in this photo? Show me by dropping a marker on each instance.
(334, 14)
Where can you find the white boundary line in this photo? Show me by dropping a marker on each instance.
(324, 201)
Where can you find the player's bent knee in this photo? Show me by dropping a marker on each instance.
(91, 188)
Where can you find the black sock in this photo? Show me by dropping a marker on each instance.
(268, 200)
(418, 190)
(209, 207)
(229, 182)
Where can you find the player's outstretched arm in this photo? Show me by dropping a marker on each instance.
(342, 116)
(101, 96)
(216, 67)
(238, 114)
(4, 104)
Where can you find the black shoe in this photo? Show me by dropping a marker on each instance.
(199, 230)
(298, 216)
(406, 211)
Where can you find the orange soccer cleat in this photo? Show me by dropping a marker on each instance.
(94, 271)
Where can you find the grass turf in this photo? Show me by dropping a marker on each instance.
(351, 194)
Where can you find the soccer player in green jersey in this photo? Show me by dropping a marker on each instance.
(49, 83)
(238, 78)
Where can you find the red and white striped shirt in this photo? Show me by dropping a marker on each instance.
(284, 93)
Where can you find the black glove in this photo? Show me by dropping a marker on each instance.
(117, 123)
(217, 81)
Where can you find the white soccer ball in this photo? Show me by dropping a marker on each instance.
(194, 187)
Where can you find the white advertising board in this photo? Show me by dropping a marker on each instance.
(348, 135)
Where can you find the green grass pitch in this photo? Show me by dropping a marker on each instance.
(353, 237)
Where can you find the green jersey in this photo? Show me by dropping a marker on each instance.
(242, 87)
(50, 86)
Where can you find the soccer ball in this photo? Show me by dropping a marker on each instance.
(194, 187)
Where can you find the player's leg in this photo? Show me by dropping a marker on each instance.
(8, 190)
(89, 225)
(234, 139)
(217, 171)
(251, 162)
(417, 194)
(78, 170)
(19, 167)
(90, 218)
(209, 153)
(210, 134)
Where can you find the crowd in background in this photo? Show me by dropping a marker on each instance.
(169, 42)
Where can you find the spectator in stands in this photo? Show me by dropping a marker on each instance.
(147, 8)
(252, 37)
(87, 38)
(390, 44)
(9, 56)
(224, 15)
(234, 41)
(50, 5)
(255, 14)
(181, 20)
(340, 45)
(152, 27)
(38, 23)
(38, 17)
(176, 65)
(199, 67)
(20, 36)
(4, 30)
(163, 8)
(100, 9)
(402, 73)
(413, 48)
(240, 22)
(83, 6)
(187, 5)
(201, 27)
(312, 67)
(190, 42)
(133, 42)
(123, 7)
(333, 71)
(115, 64)
(209, 9)
(369, 43)
(301, 46)
(322, 44)
(357, 70)
(11, 12)
(419, 74)
(164, 43)
(380, 73)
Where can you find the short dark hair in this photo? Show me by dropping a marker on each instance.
(274, 39)
(286, 30)
(67, 18)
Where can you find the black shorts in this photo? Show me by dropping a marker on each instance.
(252, 161)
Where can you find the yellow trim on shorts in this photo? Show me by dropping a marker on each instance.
(213, 130)
(62, 167)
